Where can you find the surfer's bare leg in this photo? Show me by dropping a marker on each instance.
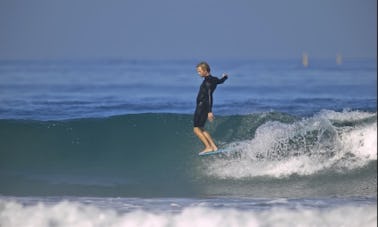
(200, 134)
(210, 140)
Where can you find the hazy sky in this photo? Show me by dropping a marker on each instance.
(187, 29)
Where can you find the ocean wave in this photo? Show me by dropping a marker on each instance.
(66, 213)
(305, 147)
(156, 155)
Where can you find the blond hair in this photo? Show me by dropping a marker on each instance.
(204, 65)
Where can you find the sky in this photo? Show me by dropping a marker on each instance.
(187, 29)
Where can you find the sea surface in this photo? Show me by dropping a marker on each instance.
(110, 143)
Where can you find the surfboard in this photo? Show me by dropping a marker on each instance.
(219, 151)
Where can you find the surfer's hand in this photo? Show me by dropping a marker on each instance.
(224, 75)
(210, 116)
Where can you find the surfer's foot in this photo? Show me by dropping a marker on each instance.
(215, 148)
(207, 149)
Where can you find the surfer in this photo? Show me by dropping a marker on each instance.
(204, 105)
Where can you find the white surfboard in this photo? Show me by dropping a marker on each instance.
(219, 151)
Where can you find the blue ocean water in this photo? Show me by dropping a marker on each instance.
(46, 90)
(110, 143)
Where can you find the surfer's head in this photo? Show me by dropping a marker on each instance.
(203, 69)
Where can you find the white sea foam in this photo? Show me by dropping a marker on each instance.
(15, 214)
(304, 148)
(345, 115)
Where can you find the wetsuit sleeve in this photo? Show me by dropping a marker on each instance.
(210, 90)
(221, 80)
(210, 99)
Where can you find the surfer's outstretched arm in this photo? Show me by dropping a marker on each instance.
(210, 115)
(223, 79)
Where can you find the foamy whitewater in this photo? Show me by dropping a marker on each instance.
(281, 149)
(111, 143)
(177, 212)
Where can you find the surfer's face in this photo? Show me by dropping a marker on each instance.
(202, 72)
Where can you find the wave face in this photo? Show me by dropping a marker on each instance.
(274, 155)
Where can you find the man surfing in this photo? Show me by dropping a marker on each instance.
(204, 105)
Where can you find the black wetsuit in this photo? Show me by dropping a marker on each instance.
(205, 99)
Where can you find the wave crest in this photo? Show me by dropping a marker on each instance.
(329, 141)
